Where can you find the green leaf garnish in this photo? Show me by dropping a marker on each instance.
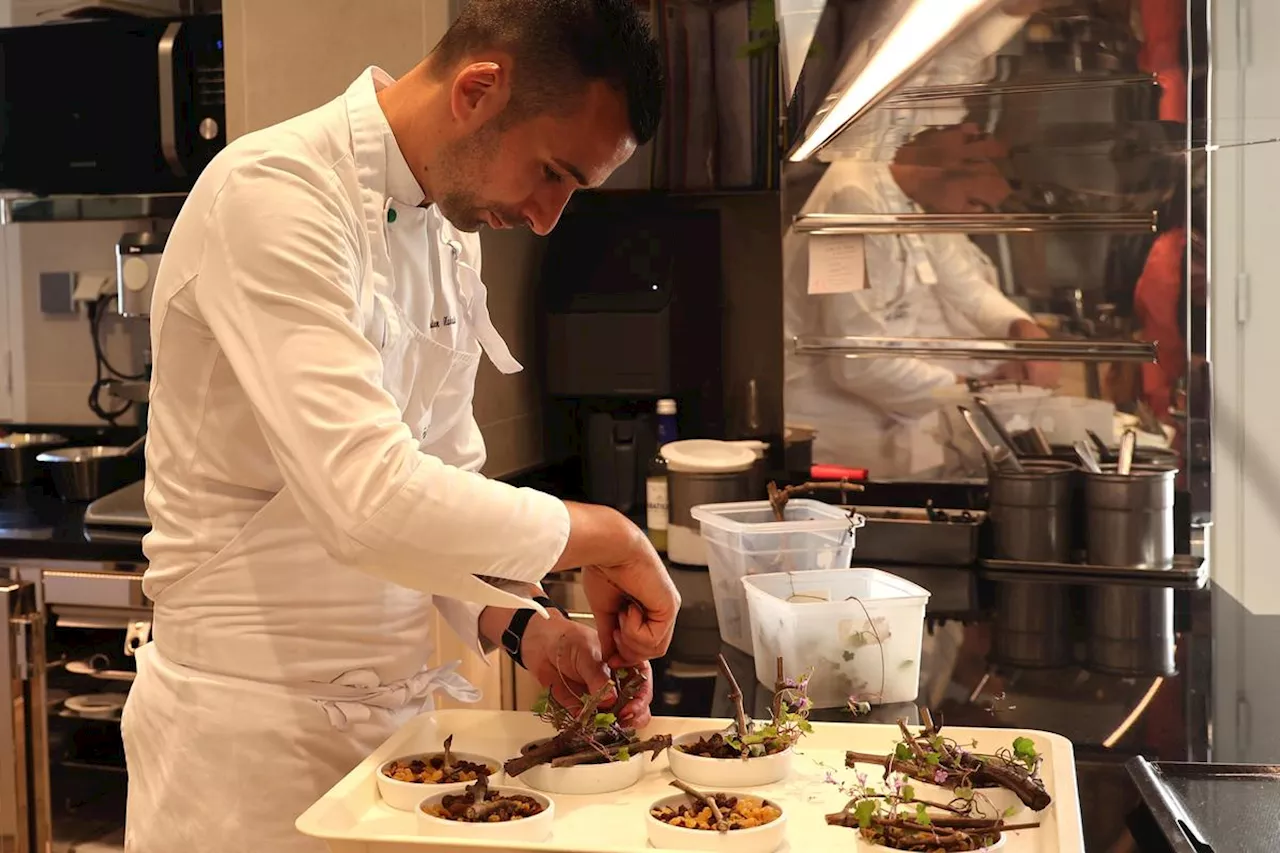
(604, 721)
(908, 792)
(922, 815)
(623, 754)
(864, 811)
(902, 752)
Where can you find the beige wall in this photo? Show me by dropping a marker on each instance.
(285, 57)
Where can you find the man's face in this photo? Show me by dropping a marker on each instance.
(506, 175)
(953, 170)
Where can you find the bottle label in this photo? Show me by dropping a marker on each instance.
(656, 500)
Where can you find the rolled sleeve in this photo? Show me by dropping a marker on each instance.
(278, 287)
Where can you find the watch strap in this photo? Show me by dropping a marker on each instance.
(513, 636)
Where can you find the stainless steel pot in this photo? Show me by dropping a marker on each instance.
(1131, 630)
(1032, 625)
(1030, 511)
(1130, 517)
(18, 452)
(687, 489)
(88, 473)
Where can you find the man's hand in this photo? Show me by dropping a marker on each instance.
(631, 595)
(1045, 374)
(565, 656)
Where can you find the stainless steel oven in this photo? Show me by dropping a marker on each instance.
(72, 632)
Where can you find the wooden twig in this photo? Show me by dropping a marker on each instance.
(654, 744)
(735, 696)
(710, 800)
(541, 754)
(930, 729)
(910, 740)
(907, 768)
(778, 687)
(448, 756)
(778, 497)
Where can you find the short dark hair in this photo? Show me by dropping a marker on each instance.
(561, 45)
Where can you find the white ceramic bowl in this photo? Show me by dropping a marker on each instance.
(865, 846)
(992, 802)
(586, 778)
(535, 829)
(722, 773)
(405, 796)
(759, 839)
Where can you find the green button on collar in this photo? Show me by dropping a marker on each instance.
(391, 214)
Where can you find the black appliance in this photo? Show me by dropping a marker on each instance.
(111, 106)
(633, 313)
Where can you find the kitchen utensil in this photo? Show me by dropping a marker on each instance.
(1128, 442)
(1087, 458)
(1187, 572)
(1041, 442)
(18, 452)
(1030, 511)
(1102, 448)
(1000, 431)
(997, 457)
(1129, 518)
(88, 473)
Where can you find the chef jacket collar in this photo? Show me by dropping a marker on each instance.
(379, 160)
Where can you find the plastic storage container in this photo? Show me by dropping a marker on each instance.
(861, 631)
(743, 539)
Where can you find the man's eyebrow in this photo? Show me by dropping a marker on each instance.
(573, 171)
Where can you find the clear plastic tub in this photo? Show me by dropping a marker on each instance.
(743, 539)
(861, 631)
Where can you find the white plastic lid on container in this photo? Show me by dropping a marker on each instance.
(708, 456)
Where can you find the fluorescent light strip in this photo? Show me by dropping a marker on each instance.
(926, 26)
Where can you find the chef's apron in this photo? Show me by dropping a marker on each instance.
(250, 703)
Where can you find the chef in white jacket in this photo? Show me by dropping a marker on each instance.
(886, 414)
(312, 457)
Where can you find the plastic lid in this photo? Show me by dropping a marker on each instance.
(666, 407)
(708, 456)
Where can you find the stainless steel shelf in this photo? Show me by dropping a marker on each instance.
(971, 223)
(995, 349)
(908, 98)
(81, 208)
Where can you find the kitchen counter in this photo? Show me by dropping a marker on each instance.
(35, 524)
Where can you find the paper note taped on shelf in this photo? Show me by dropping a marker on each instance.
(837, 263)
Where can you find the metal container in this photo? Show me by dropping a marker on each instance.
(1130, 630)
(687, 489)
(1030, 512)
(913, 537)
(18, 452)
(1032, 625)
(88, 473)
(1129, 518)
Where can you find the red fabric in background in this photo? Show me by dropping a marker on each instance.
(1161, 54)
(1155, 303)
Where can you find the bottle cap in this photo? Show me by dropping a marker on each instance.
(666, 407)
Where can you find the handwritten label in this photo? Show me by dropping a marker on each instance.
(837, 263)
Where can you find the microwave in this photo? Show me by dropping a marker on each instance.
(115, 106)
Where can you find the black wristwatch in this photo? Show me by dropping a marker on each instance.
(513, 637)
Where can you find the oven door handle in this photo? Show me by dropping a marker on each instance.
(168, 99)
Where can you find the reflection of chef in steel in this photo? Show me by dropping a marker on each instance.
(883, 413)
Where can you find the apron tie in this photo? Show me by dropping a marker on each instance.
(359, 691)
(478, 313)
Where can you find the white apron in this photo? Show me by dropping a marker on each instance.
(237, 723)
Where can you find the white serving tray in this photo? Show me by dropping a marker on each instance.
(352, 819)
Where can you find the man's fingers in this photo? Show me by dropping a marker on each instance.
(607, 630)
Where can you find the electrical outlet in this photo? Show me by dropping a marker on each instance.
(57, 291)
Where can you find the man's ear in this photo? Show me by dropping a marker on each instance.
(480, 91)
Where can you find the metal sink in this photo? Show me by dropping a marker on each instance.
(121, 508)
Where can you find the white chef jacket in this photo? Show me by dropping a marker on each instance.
(312, 480)
(882, 413)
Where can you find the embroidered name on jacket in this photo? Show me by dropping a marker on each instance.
(447, 321)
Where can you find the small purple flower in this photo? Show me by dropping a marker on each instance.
(898, 784)
(862, 779)
(940, 776)
(830, 778)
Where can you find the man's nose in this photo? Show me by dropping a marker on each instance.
(544, 209)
